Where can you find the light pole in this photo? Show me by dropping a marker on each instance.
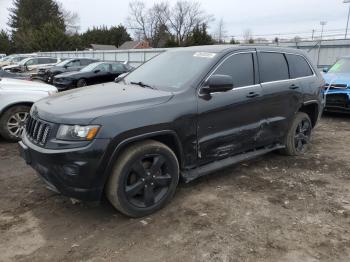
(347, 23)
(322, 23)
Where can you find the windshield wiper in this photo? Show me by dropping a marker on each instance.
(142, 85)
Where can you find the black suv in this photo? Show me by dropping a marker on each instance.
(185, 113)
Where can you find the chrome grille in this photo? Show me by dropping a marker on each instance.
(37, 131)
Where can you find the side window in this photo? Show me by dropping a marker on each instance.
(273, 67)
(33, 61)
(85, 62)
(117, 68)
(103, 67)
(73, 63)
(298, 66)
(240, 67)
(44, 60)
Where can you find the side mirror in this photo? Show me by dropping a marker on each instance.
(120, 77)
(218, 83)
(97, 71)
(325, 70)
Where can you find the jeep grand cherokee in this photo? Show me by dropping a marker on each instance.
(185, 113)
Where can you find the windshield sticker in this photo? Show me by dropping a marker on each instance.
(204, 55)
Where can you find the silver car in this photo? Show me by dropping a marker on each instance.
(16, 99)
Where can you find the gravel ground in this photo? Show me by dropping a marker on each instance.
(274, 208)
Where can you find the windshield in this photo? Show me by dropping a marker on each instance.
(342, 66)
(90, 67)
(19, 58)
(171, 70)
(64, 62)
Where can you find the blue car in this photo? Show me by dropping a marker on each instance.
(337, 88)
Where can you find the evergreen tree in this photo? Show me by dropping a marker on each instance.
(115, 35)
(5, 42)
(199, 36)
(34, 14)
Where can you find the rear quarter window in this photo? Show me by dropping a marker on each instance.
(273, 67)
(298, 66)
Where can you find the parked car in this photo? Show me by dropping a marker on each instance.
(187, 112)
(17, 96)
(31, 64)
(338, 86)
(5, 74)
(11, 60)
(95, 73)
(69, 65)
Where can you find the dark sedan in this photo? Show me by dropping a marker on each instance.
(74, 64)
(96, 73)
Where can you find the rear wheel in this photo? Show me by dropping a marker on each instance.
(144, 179)
(81, 83)
(13, 121)
(298, 137)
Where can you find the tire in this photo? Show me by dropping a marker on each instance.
(12, 122)
(298, 137)
(132, 179)
(81, 83)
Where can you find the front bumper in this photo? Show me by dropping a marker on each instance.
(63, 86)
(76, 173)
(338, 102)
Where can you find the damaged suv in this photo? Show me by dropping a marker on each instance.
(183, 114)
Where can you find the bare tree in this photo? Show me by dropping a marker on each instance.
(146, 21)
(71, 19)
(183, 17)
(247, 36)
(179, 20)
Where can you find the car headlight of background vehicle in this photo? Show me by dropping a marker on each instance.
(77, 133)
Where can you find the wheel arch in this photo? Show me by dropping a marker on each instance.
(3, 110)
(167, 137)
(312, 110)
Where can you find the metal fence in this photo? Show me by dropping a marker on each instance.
(323, 53)
(135, 57)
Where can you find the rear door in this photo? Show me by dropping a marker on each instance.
(229, 122)
(282, 95)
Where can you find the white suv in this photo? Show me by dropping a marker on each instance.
(31, 64)
(16, 99)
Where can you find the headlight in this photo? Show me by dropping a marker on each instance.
(51, 93)
(77, 133)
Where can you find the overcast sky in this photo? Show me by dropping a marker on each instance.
(261, 16)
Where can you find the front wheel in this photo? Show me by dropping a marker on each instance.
(81, 83)
(298, 137)
(144, 179)
(12, 122)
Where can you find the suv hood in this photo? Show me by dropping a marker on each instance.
(11, 66)
(16, 84)
(81, 106)
(337, 78)
(69, 74)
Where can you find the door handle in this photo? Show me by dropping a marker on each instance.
(293, 87)
(252, 95)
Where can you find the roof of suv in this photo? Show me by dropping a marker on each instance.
(229, 48)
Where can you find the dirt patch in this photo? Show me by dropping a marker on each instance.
(273, 208)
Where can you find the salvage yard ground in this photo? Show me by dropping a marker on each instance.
(274, 208)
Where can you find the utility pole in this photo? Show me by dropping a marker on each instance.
(322, 23)
(347, 23)
(313, 34)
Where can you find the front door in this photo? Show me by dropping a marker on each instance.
(229, 123)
